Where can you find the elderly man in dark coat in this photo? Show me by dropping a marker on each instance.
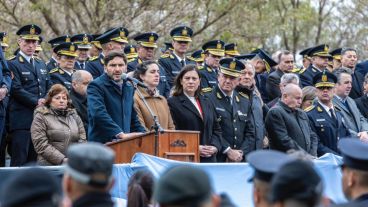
(287, 125)
(111, 114)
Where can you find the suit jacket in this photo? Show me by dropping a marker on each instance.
(328, 131)
(29, 84)
(273, 84)
(357, 85)
(235, 121)
(172, 66)
(110, 110)
(95, 66)
(288, 129)
(362, 104)
(79, 102)
(353, 119)
(362, 68)
(186, 117)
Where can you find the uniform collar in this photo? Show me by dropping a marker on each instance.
(225, 95)
(180, 59)
(326, 107)
(28, 58)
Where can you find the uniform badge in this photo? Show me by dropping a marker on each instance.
(326, 48)
(218, 95)
(132, 50)
(237, 99)
(184, 32)
(219, 45)
(151, 38)
(21, 59)
(122, 34)
(32, 31)
(319, 109)
(72, 48)
(85, 39)
(232, 65)
(67, 39)
(324, 78)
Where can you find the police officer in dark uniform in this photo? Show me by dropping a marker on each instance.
(88, 175)
(198, 57)
(231, 50)
(66, 55)
(266, 163)
(174, 61)
(326, 121)
(354, 172)
(131, 52)
(232, 110)
(96, 47)
(336, 58)
(306, 59)
(168, 48)
(38, 49)
(112, 40)
(146, 46)
(83, 41)
(29, 87)
(55, 42)
(320, 55)
(213, 51)
(4, 41)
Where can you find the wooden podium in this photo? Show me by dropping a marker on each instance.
(172, 144)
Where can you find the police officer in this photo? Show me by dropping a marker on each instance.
(96, 47)
(266, 163)
(131, 52)
(319, 55)
(296, 184)
(38, 49)
(112, 40)
(326, 121)
(336, 55)
(213, 51)
(168, 48)
(88, 175)
(231, 50)
(306, 59)
(4, 41)
(29, 87)
(146, 46)
(66, 56)
(354, 172)
(232, 110)
(55, 42)
(198, 57)
(83, 41)
(173, 62)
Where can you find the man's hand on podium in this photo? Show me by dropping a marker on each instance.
(129, 135)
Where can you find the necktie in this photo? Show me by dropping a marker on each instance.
(333, 115)
(182, 63)
(228, 100)
(82, 65)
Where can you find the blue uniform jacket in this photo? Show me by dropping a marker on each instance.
(95, 66)
(110, 110)
(29, 84)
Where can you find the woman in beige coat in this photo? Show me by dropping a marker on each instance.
(55, 126)
(149, 73)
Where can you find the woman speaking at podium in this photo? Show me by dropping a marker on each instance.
(192, 111)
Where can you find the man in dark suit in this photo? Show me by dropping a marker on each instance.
(353, 119)
(349, 59)
(320, 55)
(354, 172)
(29, 87)
(285, 65)
(325, 120)
(288, 126)
(175, 60)
(233, 113)
(111, 114)
(146, 46)
(113, 39)
(78, 94)
(362, 102)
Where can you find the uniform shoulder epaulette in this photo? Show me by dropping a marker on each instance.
(93, 58)
(200, 67)
(166, 55)
(206, 90)
(302, 71)
(131, 60)
(295, 70)
(38, 59)
(54, 70)
(309, 108)
(244, 95)
(11, 58)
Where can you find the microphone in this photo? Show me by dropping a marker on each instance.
(134, 81)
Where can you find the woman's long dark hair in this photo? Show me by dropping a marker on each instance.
(142, 68)
(140, 189)
(178, 88)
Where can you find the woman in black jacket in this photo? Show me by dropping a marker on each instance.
(192, 111)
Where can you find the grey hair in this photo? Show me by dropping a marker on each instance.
(77, 76)
(248, 64)
(289, 78)
(340, 71)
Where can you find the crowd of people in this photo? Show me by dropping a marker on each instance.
(99, 88)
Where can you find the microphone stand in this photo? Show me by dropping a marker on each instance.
(156, 125)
